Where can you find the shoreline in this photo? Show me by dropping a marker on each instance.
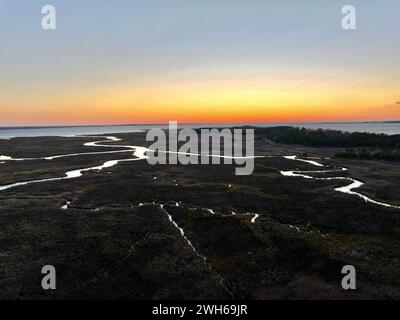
(388, 128)
(227, 124)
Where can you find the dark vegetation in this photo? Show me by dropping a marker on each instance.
(370, 154)
(329, 138)
(358, 145)
(106, 246)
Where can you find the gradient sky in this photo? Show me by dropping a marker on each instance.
(151, 61)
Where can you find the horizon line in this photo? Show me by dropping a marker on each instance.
(41, 126)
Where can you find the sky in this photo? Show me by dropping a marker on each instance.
(152, 61)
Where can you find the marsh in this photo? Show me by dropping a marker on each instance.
(126, 230)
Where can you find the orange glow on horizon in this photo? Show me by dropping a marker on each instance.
(203, 102)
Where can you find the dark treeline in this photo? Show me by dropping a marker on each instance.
(329, 138)
(355, 145)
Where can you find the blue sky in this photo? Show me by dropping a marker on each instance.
(140, 42)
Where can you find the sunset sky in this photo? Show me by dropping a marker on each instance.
(152, 61)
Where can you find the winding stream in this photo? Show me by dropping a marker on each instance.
(139, 153)
(346, 189)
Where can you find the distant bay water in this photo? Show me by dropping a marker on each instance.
(370, 127)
